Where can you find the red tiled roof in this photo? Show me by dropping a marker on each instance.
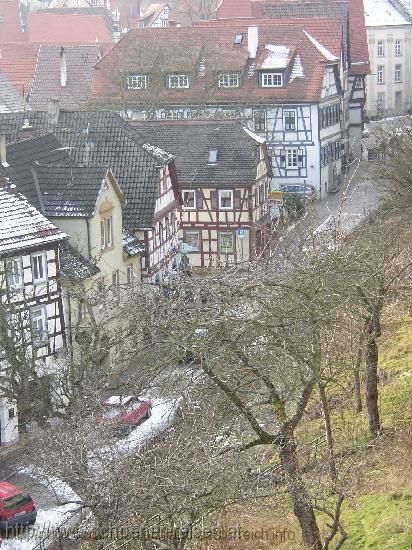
(54, 28)
(327, 31)
(230, 9)
(358, 41)
(18, 63)
(158, 51)
(10, 22)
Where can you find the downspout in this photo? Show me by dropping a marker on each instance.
(88, 238)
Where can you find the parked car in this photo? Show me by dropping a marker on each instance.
(126, 412)
(16, 507)
(307, 192)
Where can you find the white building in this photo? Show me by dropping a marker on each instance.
(389, 28)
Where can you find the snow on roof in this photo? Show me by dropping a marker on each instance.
(326, 53)
(297, 69)
(118, 400)
(277, 58)
(157, 153)
(382, 13)
(254, 136)
(22, 226)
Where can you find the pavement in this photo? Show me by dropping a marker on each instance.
(357, 197)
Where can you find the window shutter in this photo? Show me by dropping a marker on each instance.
(213, 200)
(237, 199)
(283, 159)
(199, 199)
(300, 158)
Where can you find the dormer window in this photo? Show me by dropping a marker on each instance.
(272, 80)
(178, 81)
(238, 38)
(228, 80)
(212, 156)
(137, 82)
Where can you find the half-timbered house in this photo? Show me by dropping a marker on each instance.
(31, 307)
(281, 81)
(224, 174)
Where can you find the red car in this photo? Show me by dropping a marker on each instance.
(16, 507)
(126, 411)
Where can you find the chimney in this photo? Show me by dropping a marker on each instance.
(139, 8)
(63, 68)
(53, 111)
(3, 150)
(252, 41)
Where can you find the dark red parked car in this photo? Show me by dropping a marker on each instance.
(126, 412)
(16, 507)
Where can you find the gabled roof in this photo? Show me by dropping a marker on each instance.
(69, 191)
(202, 51)
(21, 157)
(131, 244)
(97, 138)
(49, 28)
(22, 226)
(46, 84)
(73, 266)
(10, 100)
(382, 13)
(10, 21)
(18, 62)
(191, 142)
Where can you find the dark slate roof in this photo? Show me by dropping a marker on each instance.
(10, 100)
(70, 191)
(46, 84)
(191, 141)
(131, 245)
(102, 138)
(74, 266)
(21, 157)
(22, 226)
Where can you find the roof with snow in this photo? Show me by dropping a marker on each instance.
(22, 226)
(382, 13)
(73, 266)
(191, 143)
(131, 244)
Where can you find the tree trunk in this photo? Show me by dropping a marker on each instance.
(302, 505)
(328, 430)
(356, 376)
(372, 356)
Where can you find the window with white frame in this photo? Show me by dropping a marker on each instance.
(39, 267)
(14, 273)
(294, 158)
(272, 80)
(226, 242)
(398, 47)
(189, 199)
(228, 80)
(226, 199)
(379, 74)
(289, 120)
(115, 279)
(106, 233)
(39, 326)
(178, 81)
(380, 48)
(398, 73)
(137, 81)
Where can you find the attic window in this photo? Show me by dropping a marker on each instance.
(178, 81)
(137, 81)
(272, 80)
(228, 80)
(238, 38)
(212, 156)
